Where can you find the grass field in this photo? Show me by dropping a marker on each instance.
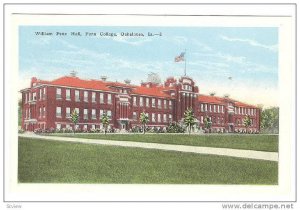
(251, 142)
(42, 161)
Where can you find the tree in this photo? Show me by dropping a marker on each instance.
(144, 120)
(247, 122)
(189, 119)
(207, 122)
(74, 118)
(270, 120)
(20, 105)
(105, 122)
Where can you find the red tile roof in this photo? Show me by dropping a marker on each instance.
(219, 100)
(241, 104)
(154, 91)
(80, 83)
(211, 99)
(76, 82)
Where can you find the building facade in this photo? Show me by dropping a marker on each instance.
(49, 104)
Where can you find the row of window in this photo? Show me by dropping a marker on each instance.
(187, 87)
(144, 101)
(84, 127)
(153, 117)
(245, 111)
(241, 122)
(41, 113)
(87, 114)
(40, 94)
(214, 120)
(86, 93)
(212, 108)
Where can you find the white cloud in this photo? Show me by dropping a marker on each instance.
(179, 40)
(202, 47)
(251, 42)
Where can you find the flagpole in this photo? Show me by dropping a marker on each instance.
(184, 62)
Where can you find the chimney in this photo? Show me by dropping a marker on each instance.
(73, 73)
(103, 78)
(212, 94)
(127, 81)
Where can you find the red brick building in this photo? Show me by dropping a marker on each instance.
(49, 104)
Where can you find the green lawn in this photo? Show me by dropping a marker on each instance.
(251, 142)
(42, 161)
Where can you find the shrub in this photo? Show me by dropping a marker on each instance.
(175, 128)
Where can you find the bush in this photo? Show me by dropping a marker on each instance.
(175, 128)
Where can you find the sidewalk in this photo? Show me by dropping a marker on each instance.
(260, 155)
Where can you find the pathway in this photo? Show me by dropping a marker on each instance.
(260, 155)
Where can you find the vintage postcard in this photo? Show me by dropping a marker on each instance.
(139, 102)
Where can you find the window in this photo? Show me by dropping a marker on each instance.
(215, 110)
(201, 108)
(58, 111)
(68, 94)
(218, 110)
(165, 118)
(201, 119)
(34, 96)
(77, 97)
(159, 103)
(58, 126)
(93, 127)
(44, 111)
(170, 104)
(58, 93)
(77, 111)
(102, 98)
(158, 118)
(210, 108)
(109, 98)
(134, 101)
(254, 111)
(26, 97)
(84, 127)
(153, 102)
(86, 96)
(101, 112)
(170, 118)
(153, 117)
(41, 94)
(85, 114)
(165, 104)
(40, 114)
(93, 114)
(68, 112)
(147, 102)
(205, 107)
(93, 97)
(141, 101)
(44, 93)
(134, 116)
(109, 114)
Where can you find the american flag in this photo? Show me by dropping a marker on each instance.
(180, 57)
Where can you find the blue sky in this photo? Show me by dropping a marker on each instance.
(248, 55)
